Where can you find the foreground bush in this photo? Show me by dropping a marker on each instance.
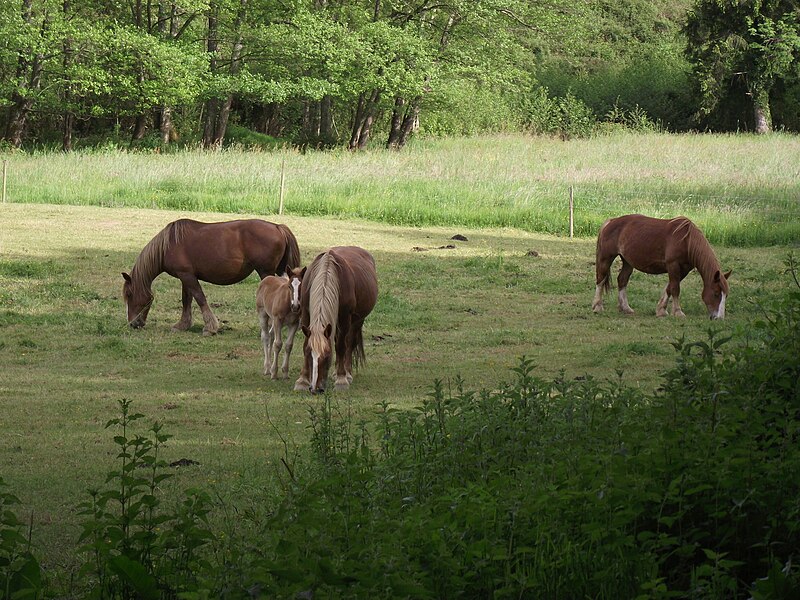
(570, 488)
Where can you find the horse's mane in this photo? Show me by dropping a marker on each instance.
(150, 260)
(697, 247)
(323, 297)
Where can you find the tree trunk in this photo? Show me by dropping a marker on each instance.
(29, 74)
(165, 125)
(211, 107)
(218, 111)
(366, 111)
(139, 128)
(326, 128)
(68, 117)
(761, 111)
(66, 138)
(404, 119)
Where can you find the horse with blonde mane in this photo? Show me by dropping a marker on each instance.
(656, 246)
(340, 289)
(220, 253)
(278, 305)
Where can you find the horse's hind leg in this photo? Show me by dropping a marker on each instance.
(622, 283)
(344, 352)
(186, 310)
(603, 273)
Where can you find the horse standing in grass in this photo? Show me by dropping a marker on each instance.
(219, 253)
(278, 304)
(340, 289)
(655, 246)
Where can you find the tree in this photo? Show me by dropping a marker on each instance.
(743, 44)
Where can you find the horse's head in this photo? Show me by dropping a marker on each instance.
(137, 302)
(715, 294)
(319, 351)
(295, 282)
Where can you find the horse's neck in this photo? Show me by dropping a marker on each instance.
(704, 259)
(143, 277)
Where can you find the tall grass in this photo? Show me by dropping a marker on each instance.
(742, 190)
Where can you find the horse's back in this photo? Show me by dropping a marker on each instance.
(647, 243)
(227, 252)
(361, 266)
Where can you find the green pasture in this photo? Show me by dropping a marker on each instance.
(67, 356)
(742, 190)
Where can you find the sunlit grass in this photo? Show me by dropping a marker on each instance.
(742, 190)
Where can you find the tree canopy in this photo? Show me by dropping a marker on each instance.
(356, 72)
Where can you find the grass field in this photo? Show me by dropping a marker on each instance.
(742, 190)
(67, 356)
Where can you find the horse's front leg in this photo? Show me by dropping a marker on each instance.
(290, 331)
(661, 307)
(266, 342)
(343, 350)
(186, 310)
(303, 382)
(193, 285)
(622, 282)
(277, 344)
(676, 274)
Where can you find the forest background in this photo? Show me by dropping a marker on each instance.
(323, 73)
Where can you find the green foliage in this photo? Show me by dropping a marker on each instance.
(563, 488)
(134, 546)
(20, 574)
(742, 47)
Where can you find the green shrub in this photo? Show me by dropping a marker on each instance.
(20, 574)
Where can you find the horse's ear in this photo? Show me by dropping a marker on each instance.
(306, 331)
(288, 271)
(728, 274)
(127, 277)
(328, 330)
(303, 272)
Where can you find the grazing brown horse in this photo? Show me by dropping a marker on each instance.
(655, 246)
(219, 253)
(340, 289)
(278, 304)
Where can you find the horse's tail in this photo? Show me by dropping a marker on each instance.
(606, 281)
(291, 256)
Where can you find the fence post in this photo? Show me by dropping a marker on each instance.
(283, 180)
(5, 171)
(571, 211)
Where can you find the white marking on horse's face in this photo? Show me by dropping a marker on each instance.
(295, 294)
(314, 370)
(720, 312)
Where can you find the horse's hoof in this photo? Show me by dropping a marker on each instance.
(342, 384)
(208, 332)
(598, 308)
(680, 313)
(301, 385)
(627, 311)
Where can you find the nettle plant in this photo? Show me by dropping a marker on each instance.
(135, 546)
(20, 575)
